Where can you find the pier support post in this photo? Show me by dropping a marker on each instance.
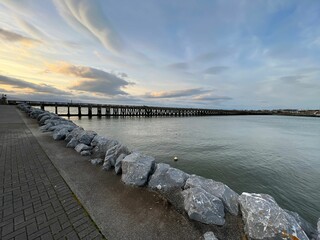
(56, 108)
(68, 110)
(107, 111)
(99, 111)
(90, 111)
(79, 112)
(42, 106)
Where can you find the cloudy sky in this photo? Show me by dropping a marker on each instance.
(232, 54)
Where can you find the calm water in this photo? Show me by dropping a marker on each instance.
(277, 155)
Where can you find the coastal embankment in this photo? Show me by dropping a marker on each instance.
(153, 191)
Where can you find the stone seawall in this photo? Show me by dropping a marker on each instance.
(203, 200)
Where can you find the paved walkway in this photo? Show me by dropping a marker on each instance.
(35, 201)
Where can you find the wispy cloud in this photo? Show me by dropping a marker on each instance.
(178, 66)
(213, 55)
(211, 98)
(297, 81)
(21, 84)
(31, 29)
(15, 37)
(92, 79)
(215, 70)
(177, 93)
(87, 15)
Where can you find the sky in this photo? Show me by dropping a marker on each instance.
(217, 54)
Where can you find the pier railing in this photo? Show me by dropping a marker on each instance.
(128, 110)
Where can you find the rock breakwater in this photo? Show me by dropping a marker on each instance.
(203, 200)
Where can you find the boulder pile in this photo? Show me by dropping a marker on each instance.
(203, 200)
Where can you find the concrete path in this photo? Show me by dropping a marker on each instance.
(35, 201)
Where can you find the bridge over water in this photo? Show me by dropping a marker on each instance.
(89, 109)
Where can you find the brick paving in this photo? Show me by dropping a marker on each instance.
(35, 201)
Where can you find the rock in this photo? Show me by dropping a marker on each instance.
(45, 117)
(112, 154)
(166, 178)
(102, 146)
(203, 206)
(74, 133)
(169, 182)
(85, 153)
(96, 161)
(98, 139)
(42, 114)
(45, 127)
(218, 189)
(35, 112)
(118, 164)
(52, 118)
(56, 120)
(156, 179)
(61, 134)
(209, 236)
(306, 226)
(136, 169)
(264, 219)
(82, 147)
(57, 128)
(72, 143)
(24, 107)
(86, 137)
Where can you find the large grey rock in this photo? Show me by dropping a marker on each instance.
(82, 147)
(57, 128)
(112, 154)
(264, 219)
(306, 226)
(166, 178)
(42, 119)
(74, 133)
(209, 236)
(72, 143)
(52, 117)
(24, 107)
(42, 114)
(35, 112)
(96, 161)
(118, 164)
(85, 153)
(218, 189)
(56, 120)
(203, 207)
(156, 179)
(97, 140)
(86, 137)
(102, 145)
(45, 127)
(136, 169)
(61, 134)
(169, 182)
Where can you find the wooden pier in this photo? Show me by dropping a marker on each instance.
(99, 110)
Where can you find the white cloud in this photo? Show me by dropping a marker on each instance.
(87, 15)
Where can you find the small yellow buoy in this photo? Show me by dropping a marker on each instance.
(175, 158)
